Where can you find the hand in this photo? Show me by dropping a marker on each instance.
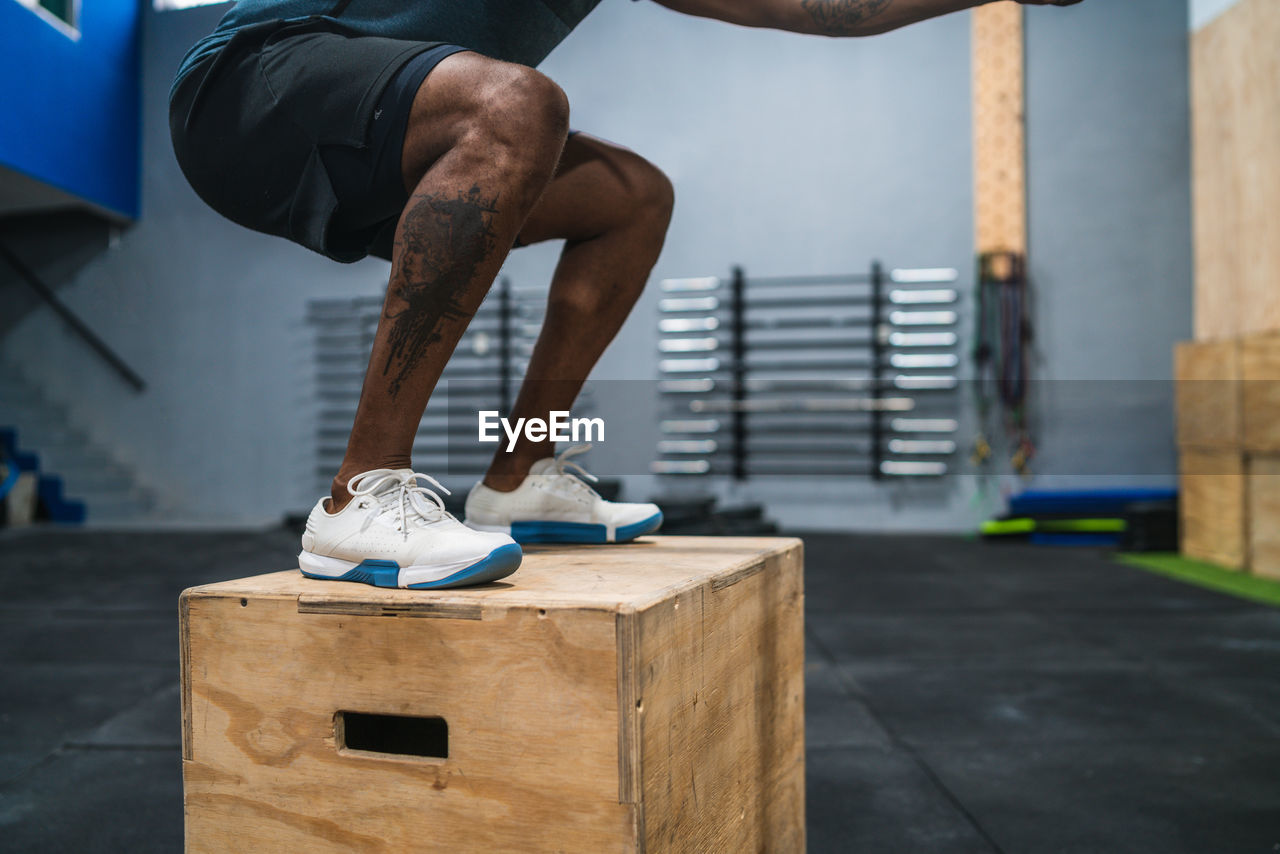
(1048, 2)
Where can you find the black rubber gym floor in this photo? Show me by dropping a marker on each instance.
(961, 697)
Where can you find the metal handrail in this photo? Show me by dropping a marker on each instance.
(60, 308)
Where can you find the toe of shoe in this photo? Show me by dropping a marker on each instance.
(632, 514)
(644, 519)
(495, 540)
(461, 549)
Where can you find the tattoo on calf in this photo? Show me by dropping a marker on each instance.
(442, 243)
(843, 17)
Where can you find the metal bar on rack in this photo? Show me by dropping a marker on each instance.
(790, 431)
(922, 318)
(840, 321)
(828, 467)
(688, 324)
(689, 345)
(876, 403)
(796, 385)
(690, 425)
(925, 425)
(930, 275)
(739, 332)
(913, 468)
(939, 296)
(699, 283)
(924, 360)
(921, 446)
(922, 383)
(688, 446)
(922, 339)
(850, 363)
(680, 467)
(677, 304)
(801, 344)
(836, 279)
(689, 366)
(702, 385)
(877, 356)
(802, 300)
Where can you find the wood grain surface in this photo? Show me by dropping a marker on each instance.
(1264, 515)
(1212, 505)
(625, 698)
(1235, 110)
(999, 129)
(1208, 393)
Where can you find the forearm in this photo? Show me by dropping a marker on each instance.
(860, 17)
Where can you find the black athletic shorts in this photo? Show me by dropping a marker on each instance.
(296, 129)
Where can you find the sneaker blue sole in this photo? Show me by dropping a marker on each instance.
(578, 532)
(500, 563)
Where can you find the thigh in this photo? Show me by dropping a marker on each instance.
(598, 186)
(462, 95)
(469, 94)
(273, 131)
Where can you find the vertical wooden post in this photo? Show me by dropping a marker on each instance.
(999, 147)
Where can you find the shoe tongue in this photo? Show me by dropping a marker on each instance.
(417, 503)
(546, 465)
(388, 484)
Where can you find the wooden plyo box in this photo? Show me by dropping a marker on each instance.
(1264, 515)
(1260, 375)
(1213, 506)
(643, 697)
(1208, 393)
(1236, 177)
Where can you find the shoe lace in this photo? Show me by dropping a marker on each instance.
(575, 479)
(405, 497)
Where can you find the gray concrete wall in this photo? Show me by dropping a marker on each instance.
(789, 154)
(1110, 235)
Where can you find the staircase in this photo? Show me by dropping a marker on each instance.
(71, 468)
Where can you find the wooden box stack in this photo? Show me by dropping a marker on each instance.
(1229, 378)
(1228, 400)
(611, 698)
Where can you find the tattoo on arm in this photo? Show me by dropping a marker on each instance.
(843, 17)
(442, 243)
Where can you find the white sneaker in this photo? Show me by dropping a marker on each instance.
(553, 506)
(395, 533)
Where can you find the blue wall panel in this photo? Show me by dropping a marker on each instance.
(69, 109)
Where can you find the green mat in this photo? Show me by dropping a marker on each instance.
(1015, 527)
(1208, 575)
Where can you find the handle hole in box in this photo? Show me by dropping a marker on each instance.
(394, 735)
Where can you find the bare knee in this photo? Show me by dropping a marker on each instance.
(519, 124)
(648, 196)
(514, 98)
(494, 119)
(657, 195)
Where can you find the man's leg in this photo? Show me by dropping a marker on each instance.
(612, 207)
(483, 140)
